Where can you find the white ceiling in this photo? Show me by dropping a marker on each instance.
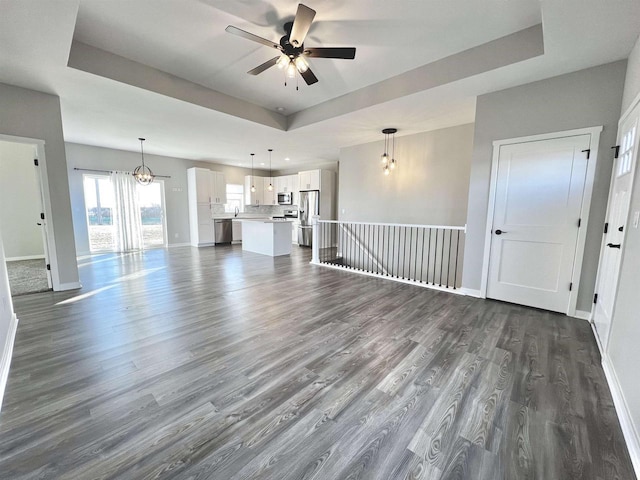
(187, 39)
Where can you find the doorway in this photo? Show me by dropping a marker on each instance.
(100, 204)
(537, 221)
(616, 222)
(24, 234)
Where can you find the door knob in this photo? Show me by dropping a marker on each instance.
(39, 224)
(499, 232)
(613, 245)
(620, 229)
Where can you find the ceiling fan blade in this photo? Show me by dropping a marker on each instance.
(347, 53)
(264, 66)
(309, 77)
(251, 36)
(301, 25)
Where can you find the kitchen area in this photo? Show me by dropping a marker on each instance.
(275, 214)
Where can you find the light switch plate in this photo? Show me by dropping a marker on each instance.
(636, 218)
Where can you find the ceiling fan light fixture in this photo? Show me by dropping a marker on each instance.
(282, 62)
(301, 64)
(291, 70)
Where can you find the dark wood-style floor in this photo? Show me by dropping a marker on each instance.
(220, 364)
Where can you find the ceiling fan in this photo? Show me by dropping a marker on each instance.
(293, 53)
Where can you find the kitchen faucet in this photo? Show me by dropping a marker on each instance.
(237, 211)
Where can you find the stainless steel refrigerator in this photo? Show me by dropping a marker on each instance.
(308, 207)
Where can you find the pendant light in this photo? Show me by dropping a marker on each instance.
(388, 157)
(253, 185)
(270, 187)
(142, 173)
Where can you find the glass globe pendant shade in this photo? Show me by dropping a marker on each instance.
(253, 189)
(385, 159)
(282, 62)
(392, 165)
(301, 64)
(291, 70)
(386, 170)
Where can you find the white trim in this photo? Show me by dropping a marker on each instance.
(631, 436)
(68, 286)
(7, 351)
(456, 291)
(587, 194)
(583, 315)
(629, 109)
(470, 292)
(171, 245)
(409, 225)
(26, 257)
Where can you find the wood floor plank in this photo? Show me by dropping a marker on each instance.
(216, 363)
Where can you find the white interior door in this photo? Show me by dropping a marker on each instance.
(42, 222)
(617, 214)
(538, 200)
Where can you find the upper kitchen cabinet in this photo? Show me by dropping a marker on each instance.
(218, 188)
(269, 197)
(287, 184)
(309, 180)
(209, 186)
(257, 197)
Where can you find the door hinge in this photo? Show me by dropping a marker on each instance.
(617, 151)
(588, 150)
(606, 227)
(35, 162)
(42, 216)
(595, 298)
(579, 222)
(48, 266)
(571, 286)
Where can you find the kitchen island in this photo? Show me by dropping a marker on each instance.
(267, 237)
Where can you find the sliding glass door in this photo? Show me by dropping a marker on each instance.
(100, 204)
(151, 198)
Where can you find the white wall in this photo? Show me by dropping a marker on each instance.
(31, 114)
(623, 351)
(176, 202)
(586, 98)
(430, 185)
(20, 204)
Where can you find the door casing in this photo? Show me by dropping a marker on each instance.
(594, 132)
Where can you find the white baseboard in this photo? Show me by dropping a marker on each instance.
(171, 245)
(27, 257)
(5, 357)
(471, 292)
(583, 315)
(624, 415)
(68, 286)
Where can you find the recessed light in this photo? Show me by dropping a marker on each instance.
(287, 159)
(280, 109)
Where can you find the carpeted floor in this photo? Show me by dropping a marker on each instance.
(27, 276)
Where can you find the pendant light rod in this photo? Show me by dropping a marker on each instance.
(270, 187)
(253, 185)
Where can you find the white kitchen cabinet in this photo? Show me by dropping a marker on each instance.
(209, 186)
(309, 180)
(199, 195)
(218, 188)
(294, 232)
(269, 197)
(236, 229)
(257, 197)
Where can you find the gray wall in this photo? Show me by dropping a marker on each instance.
(632, 80)
(176, 202)
(586, 98)
(430, 185)
(27, 113)
(623, 350)
(20, 204)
